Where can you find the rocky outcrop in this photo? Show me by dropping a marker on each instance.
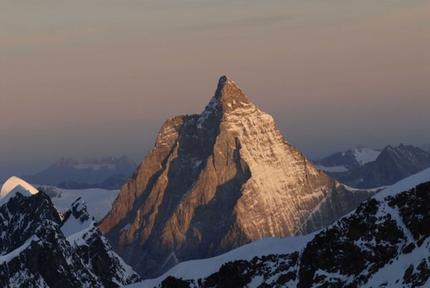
(216, 181)
(39, 247)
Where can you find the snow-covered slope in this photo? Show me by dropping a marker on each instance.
(39, 247)
(365, 155)
(77, 221)
(98, 201)
(83, 235)
(384, 243)
(196, 269)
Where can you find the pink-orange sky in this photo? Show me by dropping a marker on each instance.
(92, 78)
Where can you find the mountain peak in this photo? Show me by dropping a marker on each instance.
(229, 95)
(225, 81)
(216, 181)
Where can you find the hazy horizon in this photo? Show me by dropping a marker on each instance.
(98, 78)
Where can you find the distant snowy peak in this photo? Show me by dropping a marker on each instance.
(90, 173)
(348, 160)
(365, 155)
(15, 184)
(64, 162)
(391, 165)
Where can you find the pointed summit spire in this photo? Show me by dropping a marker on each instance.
(229, 95)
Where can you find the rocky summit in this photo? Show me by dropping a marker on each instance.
(216, 181)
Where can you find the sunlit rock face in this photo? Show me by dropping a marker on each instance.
(216, 181)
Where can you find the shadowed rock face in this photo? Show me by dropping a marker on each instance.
(392, 165)
(41, 248)
(216, 181)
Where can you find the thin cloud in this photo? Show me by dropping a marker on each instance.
(237, 23)
(15, 41)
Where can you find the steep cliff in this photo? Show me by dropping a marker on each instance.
(216, 181)
(39, 247)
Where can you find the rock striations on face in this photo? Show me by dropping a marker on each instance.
(216, 181)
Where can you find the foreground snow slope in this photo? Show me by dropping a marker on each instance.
(99, 201)
(196, 269)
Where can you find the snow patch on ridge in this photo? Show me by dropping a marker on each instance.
(365, 155)
(98, 201)
(15, 253)
(73, 225)
(125, 228)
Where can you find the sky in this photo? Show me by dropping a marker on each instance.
(92, 78)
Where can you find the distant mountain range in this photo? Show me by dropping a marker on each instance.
(383, 243)
(106, 173)
(347, 160)
(367, 168)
